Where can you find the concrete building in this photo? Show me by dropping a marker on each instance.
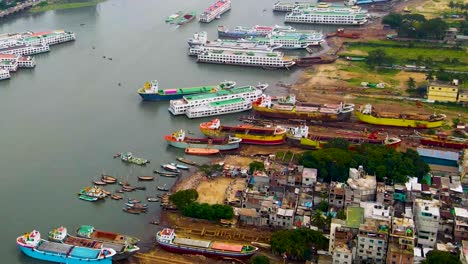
(362, 186)
(426, 217)
(464, 252)
(443, 91)
(372, 241)
(342, 254)
(249, 216)
(460, 228)
(401, 242)
(282, 218)
(309, 177)
(336, 197)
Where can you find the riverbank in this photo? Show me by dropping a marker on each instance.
(59, 5)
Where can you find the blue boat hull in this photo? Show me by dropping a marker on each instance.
(158, 97)
(52, 257)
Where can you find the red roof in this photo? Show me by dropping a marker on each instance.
(437, 182)
(228, 247)
(37, 34)
(8, 56)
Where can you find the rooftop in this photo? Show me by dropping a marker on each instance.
(236, 90)
(354, 216)
(439, 154)
(460, 212)
(430, 206)
(227, 102)
(250, 212)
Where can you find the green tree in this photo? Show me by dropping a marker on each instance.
(259, 260)
(411, 83)
(297, 243)
(338, 143)
(318, 220)
(451, 5)
(323, 206)
(183, 198)
(341, 214)
(456, 121)
(256, 166)
(437, 257)
(430, 76)
(379, 57)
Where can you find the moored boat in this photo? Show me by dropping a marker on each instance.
(97, 182)
(443, 140)
(168, 240)
(92, 192)
(187, 161)
(180, 140)
(201, 151)
(187, 17)
(88, 198)
(128, 157)
(170, 167)
(108, 179)
(166, 173)
(88, 231)
(145, 178)
(174, 16)
(288, 108)
(33, 246)
(249, 134)
(163, 188)
(367, 114)
(61, 235)
(215, 11)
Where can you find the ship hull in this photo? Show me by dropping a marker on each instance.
(444, 144)
(284, 66)
(236, 35)
(184, 145)
(382, 121)
(304, 143)
(281, 114)
(33, 253)
(246, 138)
(158, 97)
(207, 253)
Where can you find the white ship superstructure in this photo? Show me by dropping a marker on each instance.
(220, 108)
(288, 6)
(328, 14)
(25, 49)
(48, 37)
(215, 11)
(4, 74)
(235, 45)
(180, 106)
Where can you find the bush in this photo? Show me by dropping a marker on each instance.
(181, 199)
(209, 212)
(297, 243)
(259, 260)
(256, 166)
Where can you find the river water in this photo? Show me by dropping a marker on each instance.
(62, 121)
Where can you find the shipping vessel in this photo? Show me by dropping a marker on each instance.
(327, 14)
(4, 74)
(248, 133)
(48, 37)
(254, 58)
(367, 114)
(87, 231)
(222, 107)
(33, 246)
(23, 49)
(288, 108)
(174, 16)
(180, 140)
(181, 106)
(294, 40)
(61, 235)
(255, 31)
(288, 6)
(168, 240)
(443, 140)
(187, 17)
(152, 92)
(211, 46)
(215, 11)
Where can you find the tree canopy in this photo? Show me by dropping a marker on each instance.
(436, 257)
(379, 57)
(297, 243)
(214, 212)
(416, 26)
(183, 198)
(384, 162)
(259, 260)
(256, 166)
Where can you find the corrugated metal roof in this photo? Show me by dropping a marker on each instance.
(438, 154)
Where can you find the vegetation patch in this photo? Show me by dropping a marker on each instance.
(58, 5)
(298, 243)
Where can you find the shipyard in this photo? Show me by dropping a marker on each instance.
(222, 131)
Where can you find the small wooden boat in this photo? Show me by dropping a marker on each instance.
(108, 178)
(120, 191)
(108, 181)
(152, 199)
(96, 182)
(128, 189)
(88, 198)
(116, 197)
(133, 200)
(131, 210)
(163, 188)
(187, 161)
(166, 173)
(124, 183)
(170, 167)
(180, 166)
(106, 192)
(154, 222)
(145, 178)
(136, 205)
(201, 151)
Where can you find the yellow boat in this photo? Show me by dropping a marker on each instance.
(367, 114)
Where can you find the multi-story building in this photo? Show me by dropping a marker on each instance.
(342, 243)
(309, 177)
(460, 228)
(362, 186)
(464, 252)
(426, 217)
(401, 241)
(443, 91)
(282, 218)
(342, 254)
(372, 241)
(336, 197)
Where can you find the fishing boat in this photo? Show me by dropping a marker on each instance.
(131, 210)
(108, 178)
(136, 205)
(180, 166)
(145, 178)
(152, 92)
(116, 197)
(174, 16)
(33, 246)
(92, 192)
(128, 157)
(367, 114)
(88, 231)
(88, 198)
(201, 151)
(133, 200)
(168, 240)
(96, 182)
(61, 235)
(215, 11)
(249, 134)
(152, 199)
(170, 168)
(107, 193)
(187, 17)
(442, 140)
(163, 188)
(288, 108)
(187, 161)
(166, 173)
(108, 181)
(180, 140)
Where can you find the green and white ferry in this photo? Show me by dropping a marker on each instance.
(327, 14)
(228, 106)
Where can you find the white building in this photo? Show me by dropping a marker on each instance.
(309, 177)
(427, 217)
(362, 186)
(283, 218)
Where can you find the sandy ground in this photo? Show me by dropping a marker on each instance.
(190, 182)
(213, 191)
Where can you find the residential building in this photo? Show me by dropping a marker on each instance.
(320, 192)
(401, 241)
(336, 197)
(362, 186)
(460, 229)
(343, 234)
(250, 216)
(372, 241)
(443, 91)
(283, 218)
(309, 177)
(464, 252)
(342, 254)
(426, 217)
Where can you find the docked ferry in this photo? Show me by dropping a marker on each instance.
(255, 31)
(180, 140)
(288, 6)
(288, 108)
(33, 246)
(223, 107)
(253, 58)
(152, 92)
(48, 37)
(215, 11)
(4, 74)
(328, 14)
(294, 40)
(168, 240)
(22, 49)
(222, 44)
(181, 106)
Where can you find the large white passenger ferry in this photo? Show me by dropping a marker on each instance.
(25, 49)
(327, 14)
(181, 106)
(254, 58)
(220, 108)
(294, 40)
(48, 37)
(288, 6)
(215, 11)
(4, 74)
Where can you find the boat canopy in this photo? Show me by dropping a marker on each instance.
(87, 253)
(227, 247)
(192, 242)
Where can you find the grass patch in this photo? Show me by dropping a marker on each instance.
(59, 6)
(287, 156)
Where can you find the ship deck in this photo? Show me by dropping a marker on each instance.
(117, 247)
(80, 252)
(227, 102)
(53, 247)
(192, 242)
(244, 89)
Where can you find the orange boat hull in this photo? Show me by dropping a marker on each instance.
(201, 151)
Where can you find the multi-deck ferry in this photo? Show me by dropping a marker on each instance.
(223, 107)
(4, 74)
(294, 40)
(255, 31)
(221, 44)
(181, 106)
(253, 58)
(215, 11)
(25, 49)
(12, 62)
(48, 37)
(327, 14)
(288, 6)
